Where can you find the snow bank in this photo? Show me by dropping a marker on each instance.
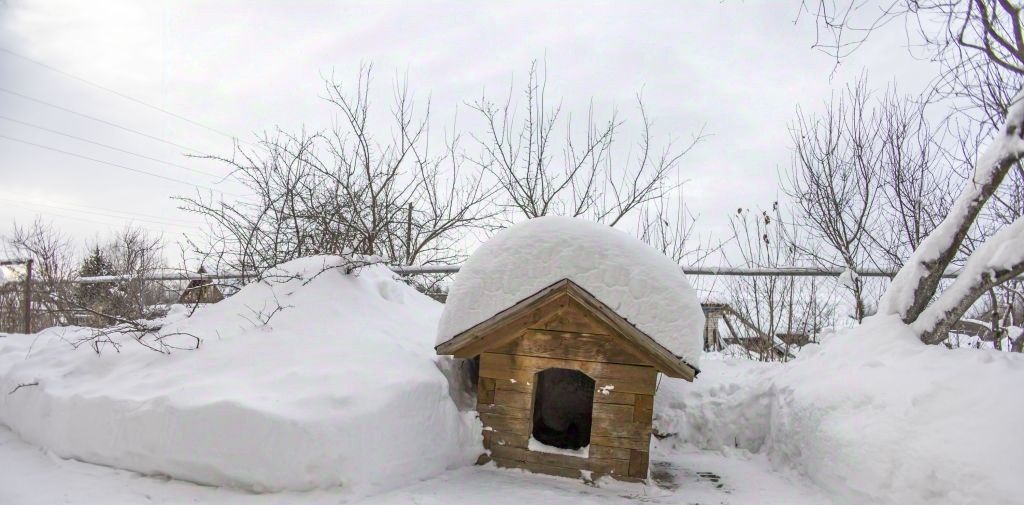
(633, 279)
(872, 416)
(338, 388)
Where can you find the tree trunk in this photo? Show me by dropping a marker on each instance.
(997, 260)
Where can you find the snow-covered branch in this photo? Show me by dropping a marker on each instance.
(915, 284)
(999, 259)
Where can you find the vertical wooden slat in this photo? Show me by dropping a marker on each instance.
(28, 296)
(643, 409)
(638, 462)
(485, 391)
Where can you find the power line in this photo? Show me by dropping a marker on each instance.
(136, 170)
(107, 213)
(99, 120)
(120, 94)
(118, 149)
(77, 218)
(68, 206)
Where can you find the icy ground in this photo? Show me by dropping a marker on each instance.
(32, 476)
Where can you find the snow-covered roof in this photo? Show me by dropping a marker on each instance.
(636, 281)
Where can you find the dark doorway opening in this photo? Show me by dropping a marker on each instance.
(563, 407)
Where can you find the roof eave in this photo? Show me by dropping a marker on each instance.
(664, 360)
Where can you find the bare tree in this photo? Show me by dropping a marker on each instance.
(668, 226)
(546, 163)
(980, 47)
(133, 252)
(914, 177)
(54, 265)
(771, 307)
(835, 181)
(346, 190)
(978, 43)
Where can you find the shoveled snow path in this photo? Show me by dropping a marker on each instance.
(34, 477)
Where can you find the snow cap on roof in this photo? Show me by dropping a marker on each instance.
(636, 281)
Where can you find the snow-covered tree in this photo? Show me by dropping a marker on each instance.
(979, 47)
(997, 260)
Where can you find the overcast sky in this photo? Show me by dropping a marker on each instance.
(737, 69)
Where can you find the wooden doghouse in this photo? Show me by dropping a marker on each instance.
(566, 386)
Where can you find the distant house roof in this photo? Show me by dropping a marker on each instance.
(200, 291)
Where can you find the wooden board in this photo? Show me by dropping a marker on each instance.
(638, 443)
(614, 412)
(572, 473)
(546, 309)
(523, 384)
(664, 360)
(608, 377)
(513, 399)
(509, 364)
(503, 424)
(602, 465)
(485, 391)
(492, 438)
(638, 463)
(605, 452)
(573, 316)
(614, 397)
(573, 345)
(526, 377)
(645, 402)
(643, 410)
(617, 429)
(503, 411)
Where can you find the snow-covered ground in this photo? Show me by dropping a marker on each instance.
(338, 397)
(33, 476)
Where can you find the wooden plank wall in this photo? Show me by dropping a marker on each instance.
(623, 403)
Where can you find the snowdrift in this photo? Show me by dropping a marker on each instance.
(340, 387)
(872, 416)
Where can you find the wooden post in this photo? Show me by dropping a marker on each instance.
(408, 235)
(28, 296)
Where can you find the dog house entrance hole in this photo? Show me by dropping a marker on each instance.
(563, 407)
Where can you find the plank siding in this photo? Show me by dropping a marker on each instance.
(605, 452)
(513, 440)
(602, 465)
(644, 376)
(638, 443)
(638, 463)
(571, 345)
(561, 335)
